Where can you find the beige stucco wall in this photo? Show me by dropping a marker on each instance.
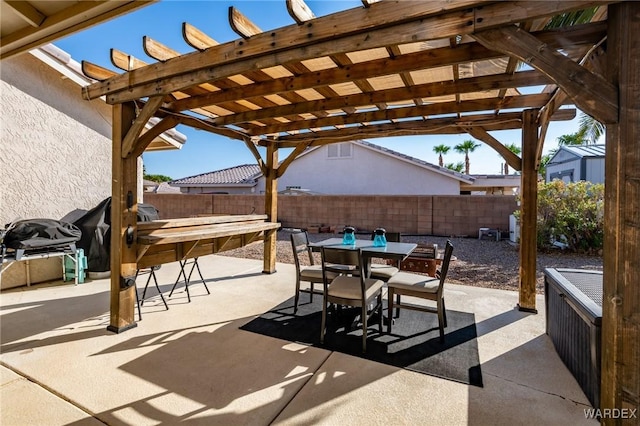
(55, 149)
(365, 172)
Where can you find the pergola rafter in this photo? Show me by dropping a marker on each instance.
(401, 68)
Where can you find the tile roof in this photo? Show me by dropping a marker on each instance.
(243, 174)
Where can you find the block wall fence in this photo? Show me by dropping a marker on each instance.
(443, 215)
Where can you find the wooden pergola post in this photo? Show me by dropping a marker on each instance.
(528, 211)
(271, 207)
(123, 223)
(620, 382)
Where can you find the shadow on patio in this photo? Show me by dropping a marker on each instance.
(193, 364)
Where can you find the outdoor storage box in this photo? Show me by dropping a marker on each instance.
(573, 300)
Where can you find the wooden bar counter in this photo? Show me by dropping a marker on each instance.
(172, 240)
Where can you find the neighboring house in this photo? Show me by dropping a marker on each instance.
(167, 188)
(572, 163)
(55, 148)
(149, 185)
(358, 167)
(234, 180)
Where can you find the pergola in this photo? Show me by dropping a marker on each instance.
(393, 68)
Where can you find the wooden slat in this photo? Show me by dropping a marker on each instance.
(467, 85)
(241, 24)
(389, 23)
(523, 101)
(157, 50)
(124, 61)
(587, 34)
(204, 232)
(441, 126)
(196, 221)
(96, 72)
(300, 11)
(196, 38)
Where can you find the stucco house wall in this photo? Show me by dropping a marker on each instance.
(55, 150)
(364, 172)
(55, 153)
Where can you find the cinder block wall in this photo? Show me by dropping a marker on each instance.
(445, 215)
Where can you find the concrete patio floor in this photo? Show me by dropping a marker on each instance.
(192, 364)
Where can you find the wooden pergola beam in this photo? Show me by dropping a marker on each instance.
(467, 85)
(436, 126)
(590, 92)
(299, 149)
(256, 154)
(385, 24)
(586, 33)
(511, 158)
(523, 101)
(145, 139)
(148, 111)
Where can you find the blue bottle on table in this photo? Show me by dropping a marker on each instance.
(379, 238)
(349, 236)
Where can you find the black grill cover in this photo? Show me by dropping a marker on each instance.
(40, 234)
(96, 233)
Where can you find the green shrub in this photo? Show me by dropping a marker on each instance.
(571, 214)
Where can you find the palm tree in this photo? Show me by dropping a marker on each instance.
(516, 150)
(465, 148)
(571, 139)
(590, 128)
(441, 150)
(458, 167)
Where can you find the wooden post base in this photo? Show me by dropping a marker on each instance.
(119, 330)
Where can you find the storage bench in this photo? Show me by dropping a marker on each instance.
(573, 300)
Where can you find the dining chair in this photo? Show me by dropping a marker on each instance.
(349, 289)
(311, 273)
(423, 287)
(383, 271)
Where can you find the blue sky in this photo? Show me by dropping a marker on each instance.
(206, 152)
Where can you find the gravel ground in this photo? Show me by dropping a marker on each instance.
(480, 263)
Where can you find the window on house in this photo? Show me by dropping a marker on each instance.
(339, 150)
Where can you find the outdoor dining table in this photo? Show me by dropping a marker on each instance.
(392, 251)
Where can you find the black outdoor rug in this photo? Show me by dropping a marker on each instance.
(414, 343)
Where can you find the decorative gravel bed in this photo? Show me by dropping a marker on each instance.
(480, 263)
